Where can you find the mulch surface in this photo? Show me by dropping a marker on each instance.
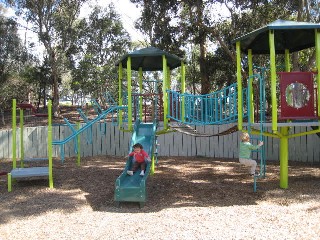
(181, 186)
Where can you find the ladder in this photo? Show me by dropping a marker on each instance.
(259, 80)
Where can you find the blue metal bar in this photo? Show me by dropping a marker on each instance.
(85, 127)
(96, 106)
(89, 131)
(261, 150)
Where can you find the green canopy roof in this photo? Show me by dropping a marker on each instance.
(150, 59)
(291, 35)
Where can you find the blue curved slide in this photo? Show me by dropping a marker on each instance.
(133, 188)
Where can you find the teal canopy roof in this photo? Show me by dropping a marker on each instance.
(150, 59)
(291, 35)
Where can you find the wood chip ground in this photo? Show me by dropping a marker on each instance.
(188, 198)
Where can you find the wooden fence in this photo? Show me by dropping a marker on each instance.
(108, 140)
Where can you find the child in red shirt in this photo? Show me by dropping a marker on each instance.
(139, 156)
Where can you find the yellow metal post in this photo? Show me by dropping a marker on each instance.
(284, 157)
(120, 94)
(152, 165)
(21, 139)
(129, 94)
(273, 81)
(140, 91)
(317, 46)
(239, 83)
(287, 60)
(164, 91)
(250, 63)
(168, 78)
(50, 143)
(9, 182)
(14, 133)
(183, 89)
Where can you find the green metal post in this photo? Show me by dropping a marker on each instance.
(250, 63)
(120, 94)
(129, 94)
(50, 143)
(14, 132)
(287, 60)
(183, 89)
(21, 139)
(140, 91)
(273, 81)
(284, 157)
(164, 91)
(79, 142)
(239, 83)
(317, 46)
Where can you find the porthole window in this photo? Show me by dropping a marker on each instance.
(297, 95)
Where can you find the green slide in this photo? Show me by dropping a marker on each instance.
(133, 188)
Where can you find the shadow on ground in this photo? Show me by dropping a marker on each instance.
(178, 182)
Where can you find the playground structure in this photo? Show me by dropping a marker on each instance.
(33, 109)
(233, 104)
(298, 105)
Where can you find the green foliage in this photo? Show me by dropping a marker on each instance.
(189, 27)
(102, 41)
(13, 88)
(13, 60)
(12, 53)
(38, 78)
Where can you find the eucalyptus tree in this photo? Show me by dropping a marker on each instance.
(38, 77)
(13, 59)
(210, 25)
(53, 21)
(102, 41)
(183, 25)
(12, 52)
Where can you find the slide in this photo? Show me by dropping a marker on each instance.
(133, 188)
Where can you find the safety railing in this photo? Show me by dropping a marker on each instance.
(219, 107)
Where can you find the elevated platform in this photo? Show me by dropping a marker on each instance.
(35, 159)
(25, 173)
(32, 108)
(30, 172)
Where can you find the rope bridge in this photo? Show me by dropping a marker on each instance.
(187, 129)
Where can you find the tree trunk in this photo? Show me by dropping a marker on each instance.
(205, 84)
(2, 117)
(55, 87)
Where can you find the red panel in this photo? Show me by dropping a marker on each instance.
(297, 95)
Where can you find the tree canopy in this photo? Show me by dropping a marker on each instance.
(81, 52)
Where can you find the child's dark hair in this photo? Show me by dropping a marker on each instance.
(137, 145)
